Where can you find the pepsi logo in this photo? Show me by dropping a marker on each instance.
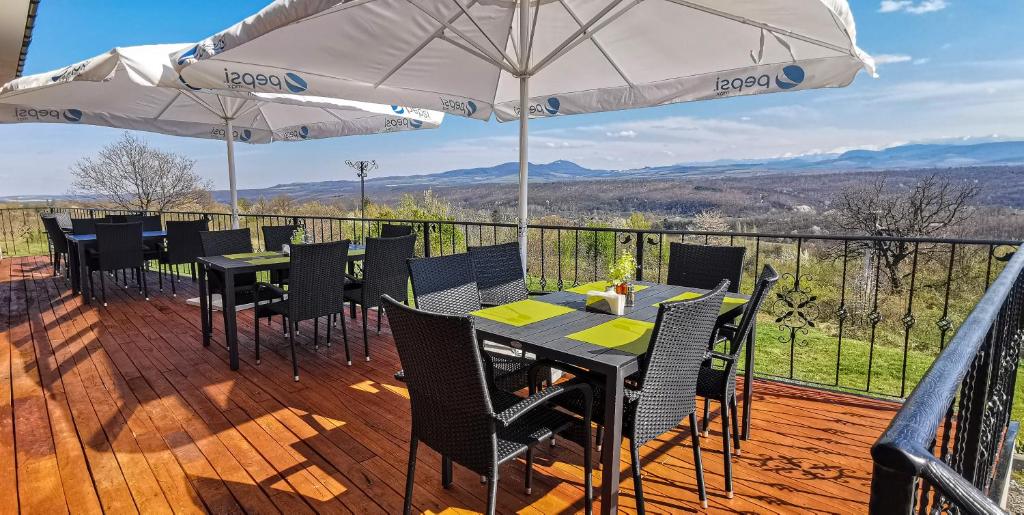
(295, 83)
(790, 77)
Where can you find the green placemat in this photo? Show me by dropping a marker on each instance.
(524, 312)
(624, 334)
(599, 286)
(268, 260)
(249, 255)
(728, 304)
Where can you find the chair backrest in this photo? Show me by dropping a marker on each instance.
(444, 284)
(233, 241)
(152, 223)
(83, 226)
(765, 282)
(451, 407)
(119, 245)
(183, 242)
(64, 220)
(122, 219)
(499, 273)
(668, 383)
(394, 231)
(316, 279)
(384, 268)
(54, 232)
(275, 236)
(704, 266)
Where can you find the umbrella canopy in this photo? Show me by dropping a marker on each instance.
(555, 57)
(137, 88)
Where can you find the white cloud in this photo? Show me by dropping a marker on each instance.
(909, 6)
(621, 134)
(881, 59)
(922, 60)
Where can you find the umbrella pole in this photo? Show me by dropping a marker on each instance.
(524, 116)
(230, 138)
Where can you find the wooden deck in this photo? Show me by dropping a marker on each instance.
(121, 409)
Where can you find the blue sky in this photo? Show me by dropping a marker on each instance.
(950, 70)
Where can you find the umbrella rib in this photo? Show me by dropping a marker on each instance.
(533, 30)
(476, 24)
(202, 103)
(473, 52)
(168, 106)
(574, 40)
(761, 25)
(600, 47)
(418, 49)
(459, 33)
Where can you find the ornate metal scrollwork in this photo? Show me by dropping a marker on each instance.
(1008, 252)
(795, 309)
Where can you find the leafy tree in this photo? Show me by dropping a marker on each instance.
(134, 176)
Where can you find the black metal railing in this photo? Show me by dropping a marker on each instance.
(866, 314)
(949, 447)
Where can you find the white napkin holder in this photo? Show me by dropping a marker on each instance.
(286, 249)
(606, 302)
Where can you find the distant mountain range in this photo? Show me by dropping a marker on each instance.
(905, 157)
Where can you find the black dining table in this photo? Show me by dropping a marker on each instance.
(556, 338)
(230, 266)
(79, 266)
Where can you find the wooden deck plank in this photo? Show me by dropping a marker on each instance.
(126, 396)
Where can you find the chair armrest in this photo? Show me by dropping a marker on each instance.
(261, 286)
(510, 415)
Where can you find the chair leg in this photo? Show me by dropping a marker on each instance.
(638, 486)
(735, 426)
(256, 333)
(410, 475)
(727, 449)
(698, 466)
(344, 336)
(366, 336)
(528, 481)
(492, 493)
(160, 275)
(707, 416)
(600, 437)
(588, 473)
(174, 279)
(145, 284)
(379, 313)
(316, 333)
(103, 289)
(295, 362)
(92, 286)
(446, 471)
(330, 318)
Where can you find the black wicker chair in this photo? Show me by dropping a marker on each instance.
(118, 247)
(718, 383)
(183, 245)
(122, 219)
(219, 243)
(58, 241)
(459, 415)
(152, 223)
(704, 266)
(499, 273)
(316, 289)
(445, 284)
(395, 231)
(64, 220)
(275, 237)
(83, 225)
(384, 273)
(664, 390)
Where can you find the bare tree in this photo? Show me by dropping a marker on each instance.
(135, 176)
(931, 207)
(711, 220)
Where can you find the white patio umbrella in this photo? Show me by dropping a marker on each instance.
(138, 88)
(557, 57)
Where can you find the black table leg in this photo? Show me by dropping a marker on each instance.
(72, 268)
(83, 272)
(612, 451)
(230, 318)
(748, 380)
(204, 308)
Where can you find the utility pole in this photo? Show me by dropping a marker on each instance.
(362, 169)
